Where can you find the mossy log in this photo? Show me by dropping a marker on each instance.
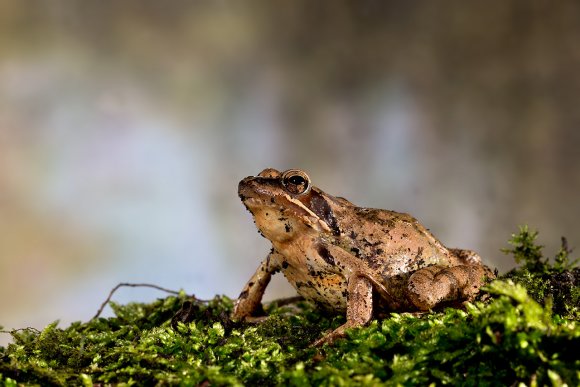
(505, 338)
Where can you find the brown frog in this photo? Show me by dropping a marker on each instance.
(338, 255)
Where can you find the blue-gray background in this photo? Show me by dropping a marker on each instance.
(125, 127)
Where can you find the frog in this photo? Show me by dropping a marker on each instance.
(350, 259)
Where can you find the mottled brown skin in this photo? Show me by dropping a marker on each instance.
(338, 255)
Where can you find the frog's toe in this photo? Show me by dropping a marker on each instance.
(468, 257)
(330, 338)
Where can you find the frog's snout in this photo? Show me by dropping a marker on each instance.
(244, 188)
(245, 181)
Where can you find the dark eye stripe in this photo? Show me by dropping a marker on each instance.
(322, 209)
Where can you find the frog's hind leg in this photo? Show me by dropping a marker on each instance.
(466, 257)
(433, 285)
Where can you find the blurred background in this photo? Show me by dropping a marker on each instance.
(126, 126)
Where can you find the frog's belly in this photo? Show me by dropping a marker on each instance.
(327, 289)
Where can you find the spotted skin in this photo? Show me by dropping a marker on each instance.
(338, 255)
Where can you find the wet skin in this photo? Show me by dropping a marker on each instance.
(340, 255)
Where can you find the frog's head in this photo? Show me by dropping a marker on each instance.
(286, 203)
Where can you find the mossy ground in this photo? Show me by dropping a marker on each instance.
(506, 339)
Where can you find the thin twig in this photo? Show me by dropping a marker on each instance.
(21, 329)
(131, 286)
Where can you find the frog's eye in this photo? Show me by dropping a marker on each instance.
(296, 182)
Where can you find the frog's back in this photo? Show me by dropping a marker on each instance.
(392, 243)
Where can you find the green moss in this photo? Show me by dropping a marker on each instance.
(510, 338)
(556, 283)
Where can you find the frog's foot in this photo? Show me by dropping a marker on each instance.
(432, 285)
(468, 257)
(331, 337)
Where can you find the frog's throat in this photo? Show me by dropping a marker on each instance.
(296, 206)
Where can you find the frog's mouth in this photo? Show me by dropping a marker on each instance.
(259, 200)
(287, 207)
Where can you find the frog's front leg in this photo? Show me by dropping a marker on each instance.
(251, 296)
(359, 308)
(359, 303)
(432, 285)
